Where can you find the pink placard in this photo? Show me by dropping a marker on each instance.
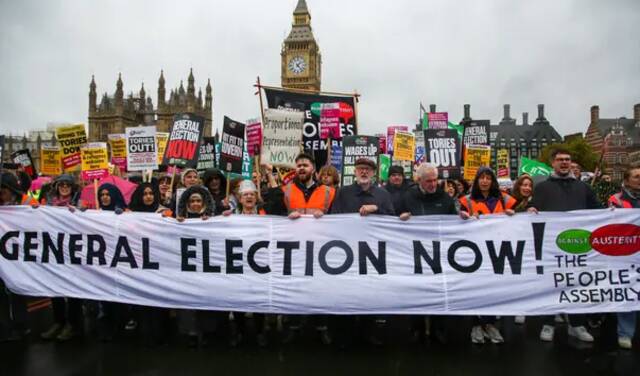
(330, 121)
(254, 137)
(391, 131)
(438, 120)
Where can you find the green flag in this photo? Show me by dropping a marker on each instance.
(458, 128)
(534, 168)
(385, 163)
(425, 121)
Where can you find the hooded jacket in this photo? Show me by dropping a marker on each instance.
(206, 198)
(137, 202)
(209, 174)
(117, 200)
(397, 193)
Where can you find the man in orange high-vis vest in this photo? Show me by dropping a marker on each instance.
(305, 196)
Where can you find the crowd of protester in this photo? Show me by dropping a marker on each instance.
(204, 195)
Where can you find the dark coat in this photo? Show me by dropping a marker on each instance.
(350, 198)
(398, 192)
(416, 202)
(206, 198)
(563, 194)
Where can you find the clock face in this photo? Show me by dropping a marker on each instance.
(297, 65)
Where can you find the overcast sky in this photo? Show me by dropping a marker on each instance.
(568, 55)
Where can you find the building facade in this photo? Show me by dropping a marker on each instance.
(114, 113)
(32, 140)
(520, 140)
(301, 61)
(618, 139)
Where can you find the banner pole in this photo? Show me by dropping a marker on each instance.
(258, 176)
(305, 91)
(173, 177)
(329, 149)
(228, 185)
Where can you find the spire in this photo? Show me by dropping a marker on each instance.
(301, 8)
(143, 94)
(119, 92)
(161, 90)
(199, 97)
(301, 15)
(93, 96)
(191, 88)
(208, 98)
(181, 89)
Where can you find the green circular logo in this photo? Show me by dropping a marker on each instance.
(574, 241)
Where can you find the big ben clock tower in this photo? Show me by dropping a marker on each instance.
(301, 59)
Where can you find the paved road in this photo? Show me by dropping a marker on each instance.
(522, 354)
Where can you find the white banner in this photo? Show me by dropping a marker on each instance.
(576, 262)
(281, 137)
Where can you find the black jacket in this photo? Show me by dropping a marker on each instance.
(349, 199)
(398, 192)
(558, 194)
(416, 202)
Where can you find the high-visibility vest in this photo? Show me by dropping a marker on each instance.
(472, 206)
(28, 200)
(617, 201)
(320, 199)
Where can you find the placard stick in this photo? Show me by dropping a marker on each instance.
(95, 193)
(258, 175)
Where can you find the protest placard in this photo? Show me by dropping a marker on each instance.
(118, 148)
(184, 141)
(281, 137)
(476, 132)
(438, 120)
(71, 138)
(95, 160)
(383, 170)
(207, 157)
(502, 164)
(161, 145)
(442, 148)
(330, 120)
(310, 105)
(254, 137)
(476, 156)
(141, 148)
(404, 146)
(232, 146)
(23, 159)
(50, 160)
(391, 130)
(354, 148)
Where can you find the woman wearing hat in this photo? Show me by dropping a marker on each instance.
(67, 312)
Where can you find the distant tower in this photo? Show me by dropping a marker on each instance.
(300, 57)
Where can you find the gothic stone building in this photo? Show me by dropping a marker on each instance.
(301, 61)
(618, 139)
(114, 113)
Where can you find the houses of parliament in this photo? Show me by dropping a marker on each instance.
(300, 69)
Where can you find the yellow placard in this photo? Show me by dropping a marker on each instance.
(475, 156)
(50, 163)
(502, 163)
(95, 160)
(404, 146)
(71, 138)
(161, 144)
(118, 145)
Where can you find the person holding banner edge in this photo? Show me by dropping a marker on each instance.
(426, 198)
(628, 198)
(563, 192)
(485, 199)
(363, 197)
